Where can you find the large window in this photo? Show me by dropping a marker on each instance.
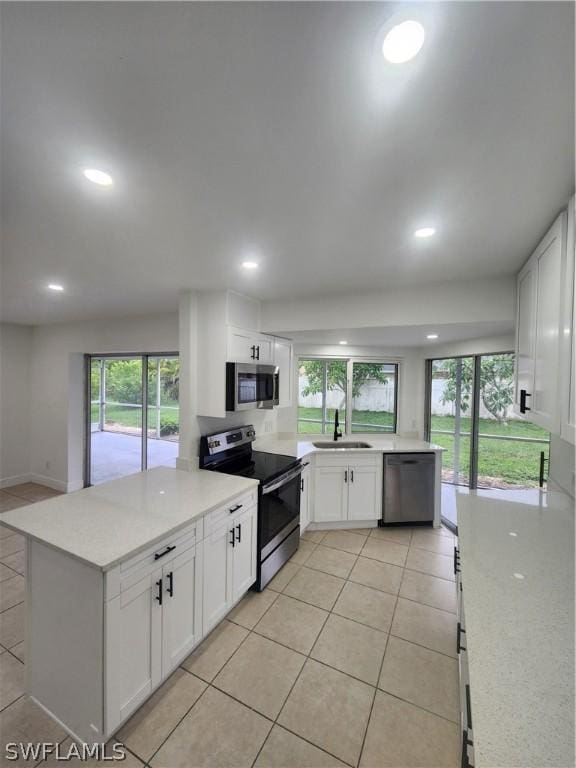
(365, 394)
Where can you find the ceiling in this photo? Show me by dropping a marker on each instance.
(401, 336)
(274, 131)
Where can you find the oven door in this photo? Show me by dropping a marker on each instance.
(251, 386)
(279, 511)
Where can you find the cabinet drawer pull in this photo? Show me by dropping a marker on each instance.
(523, 396)
(158, 555)
(233, 539)
(258, 353)
(346, 476)
(351, 475)
(468, 708)
(159, 594)
(459, 632)
(170, 588)
(253, 350)
(456, 561)
(239, 539)
(236, 508)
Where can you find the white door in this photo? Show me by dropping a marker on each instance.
(244, 553)
(283, 359)
(305, 499)
(134, 646)
(217, 577)
(525, 328)
(364, 493)
(545, 398)
(182, 619)
(242, 346)
(330, 494)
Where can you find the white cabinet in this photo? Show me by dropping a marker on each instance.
(152, 626)
(229, 564)
(347, 489)
(249, 347)
(283, 359)
(305, 498)
(538, 321)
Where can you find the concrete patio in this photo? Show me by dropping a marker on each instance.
(115, 455)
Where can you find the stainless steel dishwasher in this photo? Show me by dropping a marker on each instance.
(408, 495)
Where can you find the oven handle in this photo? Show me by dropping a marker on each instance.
(281, 481)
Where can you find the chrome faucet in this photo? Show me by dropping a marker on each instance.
(337, 432)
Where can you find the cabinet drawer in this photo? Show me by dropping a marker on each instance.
(221, 516)
(349, 459)
(131, 571)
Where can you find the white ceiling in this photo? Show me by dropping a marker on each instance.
(401, 336)
(274, 129)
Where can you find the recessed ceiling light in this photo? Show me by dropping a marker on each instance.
(403, 42)
(342, 342)
(250, 264)
(55, 287)
(425, 232)
(432, 336)
(519, 576)
(98, 177)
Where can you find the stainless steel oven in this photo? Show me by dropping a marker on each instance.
(250, 385)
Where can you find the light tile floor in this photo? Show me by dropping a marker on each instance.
(347, 658)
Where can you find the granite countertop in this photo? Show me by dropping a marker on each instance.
(517, 567)
(291, 444)
(108, 523)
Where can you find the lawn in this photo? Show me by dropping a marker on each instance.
(363, 421)
(132, 417)
(504, 461)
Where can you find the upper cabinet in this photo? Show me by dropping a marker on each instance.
(540, 329)
(228, 332)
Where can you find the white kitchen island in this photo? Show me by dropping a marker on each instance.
(123, 581)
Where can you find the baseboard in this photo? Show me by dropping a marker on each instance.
(342, 525)
(7, 482)
(50, 482)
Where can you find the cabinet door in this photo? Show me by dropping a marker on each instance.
(242, 346)
(364, 493)
(545, 397)
(525, 330)
(305, 500)
(568, 344)
(264, 349)
(217, 577)
(244, 553)
(330, 494)
(134, 647)
(182, 603)
(283, 359)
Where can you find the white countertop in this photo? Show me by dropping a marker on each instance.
(299, 446)
(519, 631)
(108, 523)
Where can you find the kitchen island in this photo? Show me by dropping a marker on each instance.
(517, 611)
(123, 581)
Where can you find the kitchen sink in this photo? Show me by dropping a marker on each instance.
(341, 444)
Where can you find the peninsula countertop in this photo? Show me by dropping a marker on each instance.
(105, 524)
(517, 567)
(292, 444)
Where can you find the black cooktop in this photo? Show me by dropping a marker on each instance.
(259, 465)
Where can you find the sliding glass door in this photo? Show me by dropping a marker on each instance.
(132, 414)
(470, 413)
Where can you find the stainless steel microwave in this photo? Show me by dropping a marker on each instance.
(249, 386)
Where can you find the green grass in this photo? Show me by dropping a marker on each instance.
(513, 462)
(132, 417)
(364, 421)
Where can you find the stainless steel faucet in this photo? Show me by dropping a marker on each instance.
(337, 432)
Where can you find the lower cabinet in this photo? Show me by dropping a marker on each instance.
(345, 490)
(305, 498)
(229, 565)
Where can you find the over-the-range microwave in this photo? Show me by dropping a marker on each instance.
(249, 385)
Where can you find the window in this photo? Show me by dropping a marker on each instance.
(365, 394)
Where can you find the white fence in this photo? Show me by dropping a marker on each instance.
(440, 408)
(373, 397)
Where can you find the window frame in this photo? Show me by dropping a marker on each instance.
(350, 361)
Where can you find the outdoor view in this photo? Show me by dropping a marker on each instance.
(509, 447)
(116, 395)
(323, 387)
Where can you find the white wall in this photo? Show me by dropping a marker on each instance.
(562, 464)
(459, 302)
(15, 355)
(56, 398)
(484, 346)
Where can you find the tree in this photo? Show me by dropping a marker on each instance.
(496, 383)
(336, 376)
